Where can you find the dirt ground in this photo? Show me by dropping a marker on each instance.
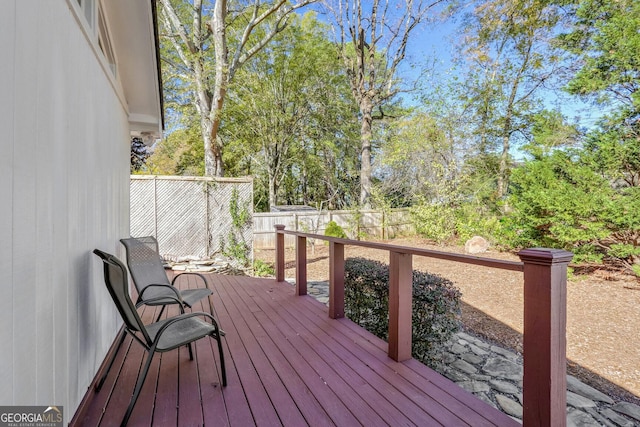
(603, 310)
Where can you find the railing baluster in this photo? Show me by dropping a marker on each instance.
(400, 303)
(545, 321)
(336, 280)
(301, 265)
(279, 253)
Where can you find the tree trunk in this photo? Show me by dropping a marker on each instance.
(213, 152)
(366, 108)
(503, 179)
(273, 188)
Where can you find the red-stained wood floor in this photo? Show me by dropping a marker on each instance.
(287, 364)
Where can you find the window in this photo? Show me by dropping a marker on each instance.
(104, 41)
(98, 30)
(88, 8)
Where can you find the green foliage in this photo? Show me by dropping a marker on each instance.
(605, 39)
(434, 221)
(262, 269)
(236, 247)
(435, 311)
(289, 120)
(139, 155)
(449, 223)
(180, 153)
(334, 230)
(562, 201)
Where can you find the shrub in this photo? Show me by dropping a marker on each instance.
(436, 305)
(334, 230)
(262, 269)
(434, 221)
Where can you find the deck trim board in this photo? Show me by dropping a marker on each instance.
(287, 364)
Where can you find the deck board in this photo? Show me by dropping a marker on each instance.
(287, 364)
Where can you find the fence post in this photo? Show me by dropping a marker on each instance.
(400, 303)
(279, 253)
(336, 280)
(301, 265)
(545, 320)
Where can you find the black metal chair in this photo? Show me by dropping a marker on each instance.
(161, 336)
(150, 279)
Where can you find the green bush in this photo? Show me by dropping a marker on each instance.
(433, 221)
(262, 269)
(334, 230)
(436, 305)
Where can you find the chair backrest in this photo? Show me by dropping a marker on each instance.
(115, 278)
(145, 263)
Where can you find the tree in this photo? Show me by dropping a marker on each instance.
(288, 102)
(180, 153)
(604, 41)
(507, 45)
(139, 155)
(209, 44)
(373, 38)
(418, 161)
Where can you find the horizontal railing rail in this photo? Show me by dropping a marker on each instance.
(545, 294)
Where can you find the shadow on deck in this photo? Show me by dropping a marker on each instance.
(287, 364)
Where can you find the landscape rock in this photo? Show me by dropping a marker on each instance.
(464, 366)
(578, 387)
(499, 367)
(509, 406)
(504, 386)
(474, 386)
(476, 245)
(578, 401)
(619, 420)
(627, 408)
(578, 418)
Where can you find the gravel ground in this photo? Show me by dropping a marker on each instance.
(603, 311)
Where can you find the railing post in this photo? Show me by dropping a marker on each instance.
(336, 280)
(301, 265)
(279, 253)
(545, 321)
(400, 306)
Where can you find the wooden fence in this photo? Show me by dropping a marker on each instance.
(190, 216)
(373, 223)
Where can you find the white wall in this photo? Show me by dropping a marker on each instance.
(64, 190)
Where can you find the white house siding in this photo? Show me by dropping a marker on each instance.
(64, 190)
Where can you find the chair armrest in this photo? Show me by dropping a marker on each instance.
(178, 297)
(193, 274)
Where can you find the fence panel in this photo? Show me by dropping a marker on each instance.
(190, 216)
(370, 222)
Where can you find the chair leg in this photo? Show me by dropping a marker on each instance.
(136, 392)
(222, 367)
(190, 351)
(99, 384)
(160, 314)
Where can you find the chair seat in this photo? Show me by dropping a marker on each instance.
(189, 296)
(179, 333)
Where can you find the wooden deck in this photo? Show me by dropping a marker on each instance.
(287, 364)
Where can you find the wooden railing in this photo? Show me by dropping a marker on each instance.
(545, 297)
